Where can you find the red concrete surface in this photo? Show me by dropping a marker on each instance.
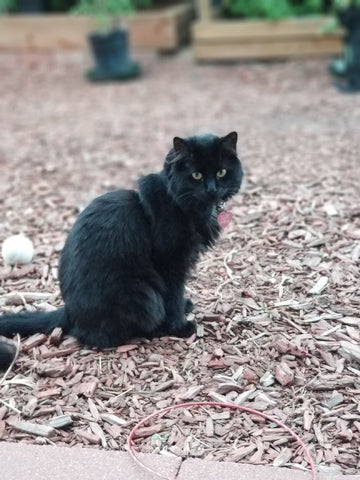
(200, 470)
(32, 462)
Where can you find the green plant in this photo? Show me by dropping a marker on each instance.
(307, 7)
(343, 4)
(60, 5)
(257, 8)
(108, 12)
(6, 5)
(271, 9)
(143, 3)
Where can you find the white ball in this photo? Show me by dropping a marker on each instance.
(17, 250)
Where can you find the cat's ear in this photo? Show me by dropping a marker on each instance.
(180, 146)
(229, 141)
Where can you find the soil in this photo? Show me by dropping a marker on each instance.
(277, 300)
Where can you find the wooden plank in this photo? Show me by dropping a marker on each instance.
(297, 37)
(207, 11)
(44, 32)
(165, 29)
(255, 29)
(262, 50)
(158, 32)
(154, 29)
(204, 9)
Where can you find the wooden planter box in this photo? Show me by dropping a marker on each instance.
(163, 29)
(217, 39)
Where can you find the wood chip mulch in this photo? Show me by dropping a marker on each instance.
(277, 300)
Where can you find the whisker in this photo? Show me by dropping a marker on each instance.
(185, 196)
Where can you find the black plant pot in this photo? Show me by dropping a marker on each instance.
(350, 19)
(111, 56)
(30, 6)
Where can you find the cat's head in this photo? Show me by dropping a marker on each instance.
(203, 170)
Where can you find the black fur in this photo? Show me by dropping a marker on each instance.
(350, 19)
(125, 262)
(7, 353)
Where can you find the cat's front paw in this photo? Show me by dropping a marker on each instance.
(188, 305)
(187, 329)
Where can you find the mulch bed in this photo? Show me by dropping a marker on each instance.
(277, 300)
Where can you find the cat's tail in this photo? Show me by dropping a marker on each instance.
(27, 323)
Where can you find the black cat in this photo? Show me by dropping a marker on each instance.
(349, 18)
(7, 352)
(125, 262)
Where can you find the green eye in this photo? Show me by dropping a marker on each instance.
(221, 173)
(197, 175)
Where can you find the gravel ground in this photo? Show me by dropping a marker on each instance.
(277, 301)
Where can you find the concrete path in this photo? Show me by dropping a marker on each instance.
(31, 462)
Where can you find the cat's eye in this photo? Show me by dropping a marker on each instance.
(197, 175)
(221, 173)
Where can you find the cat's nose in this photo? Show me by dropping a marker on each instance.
(211, 189)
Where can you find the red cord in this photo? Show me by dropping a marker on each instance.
(213, 404)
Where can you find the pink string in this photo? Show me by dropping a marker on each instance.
(212, 404)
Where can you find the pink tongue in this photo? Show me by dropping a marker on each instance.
(224, 218)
